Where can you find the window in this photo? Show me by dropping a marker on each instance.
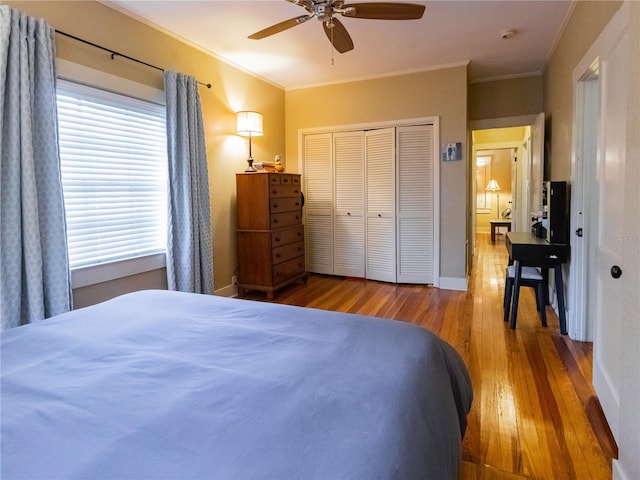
(114, 175)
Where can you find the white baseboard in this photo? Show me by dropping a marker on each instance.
(618, 472)
(454, 283)
(228, 291)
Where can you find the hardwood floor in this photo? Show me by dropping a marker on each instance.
(534, 414)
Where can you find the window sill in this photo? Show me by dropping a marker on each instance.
(85, 276)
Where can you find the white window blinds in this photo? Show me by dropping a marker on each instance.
(114, 174)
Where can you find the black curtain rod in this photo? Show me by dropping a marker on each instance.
(115, 54)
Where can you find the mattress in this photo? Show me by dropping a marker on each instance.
(169, 385)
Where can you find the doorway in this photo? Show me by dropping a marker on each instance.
(498, 156)
(523, 137)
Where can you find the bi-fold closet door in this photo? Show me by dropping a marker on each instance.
(366, 204)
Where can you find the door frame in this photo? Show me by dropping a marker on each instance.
(579, 325)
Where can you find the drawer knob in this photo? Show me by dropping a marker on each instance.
(278, 255)
(380, 215)
(277, 239)
(275, 220)
(275, 205)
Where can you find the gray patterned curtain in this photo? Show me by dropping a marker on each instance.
(189, 244)
(34, 267)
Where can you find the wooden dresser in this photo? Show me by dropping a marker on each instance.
(270, 233)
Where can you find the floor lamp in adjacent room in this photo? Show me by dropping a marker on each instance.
(494, 187)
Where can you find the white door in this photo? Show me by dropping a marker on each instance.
(380, 205)
(523, 224)
(536, 168)
(415, 204)
(581, 294)
(348, 245)
(610, 179)
(318, 190)
(515, 189)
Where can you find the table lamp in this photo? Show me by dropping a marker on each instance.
(249, 124)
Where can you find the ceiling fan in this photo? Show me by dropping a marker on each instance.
(326, 11)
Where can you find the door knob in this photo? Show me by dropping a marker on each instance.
(616, 271)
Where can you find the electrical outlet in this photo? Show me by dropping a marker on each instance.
(234, 280)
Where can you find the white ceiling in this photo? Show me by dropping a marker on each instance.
(451, 32)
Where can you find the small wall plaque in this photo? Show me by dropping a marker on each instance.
(451, 151)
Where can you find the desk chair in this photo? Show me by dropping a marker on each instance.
(530, 277)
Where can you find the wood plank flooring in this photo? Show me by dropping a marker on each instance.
(534, 414)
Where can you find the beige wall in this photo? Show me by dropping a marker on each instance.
(584, 26)
(440, 93)
(232, 90)
(506, 98)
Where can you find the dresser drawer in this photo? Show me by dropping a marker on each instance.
(274, 179)
(290, 235)
(287, 252)
(284, 271)
(288, 219)
(289, 204)
(279, 191)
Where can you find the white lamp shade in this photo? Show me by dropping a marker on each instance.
(249, 124)
(493, 186)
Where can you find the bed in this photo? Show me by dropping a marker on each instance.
(169, 385)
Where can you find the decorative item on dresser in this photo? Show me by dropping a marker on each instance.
(270, 233)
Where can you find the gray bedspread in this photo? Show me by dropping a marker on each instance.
(167, 385)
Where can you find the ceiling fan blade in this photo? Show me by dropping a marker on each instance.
(338, 35)
(384, 11)
(302, 3)
(280, 27)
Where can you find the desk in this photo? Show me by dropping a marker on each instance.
(525, 249)
(499, 223)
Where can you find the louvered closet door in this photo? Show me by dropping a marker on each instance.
(348, 245)
(415, 209)
(318, 191)
(380, 205)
